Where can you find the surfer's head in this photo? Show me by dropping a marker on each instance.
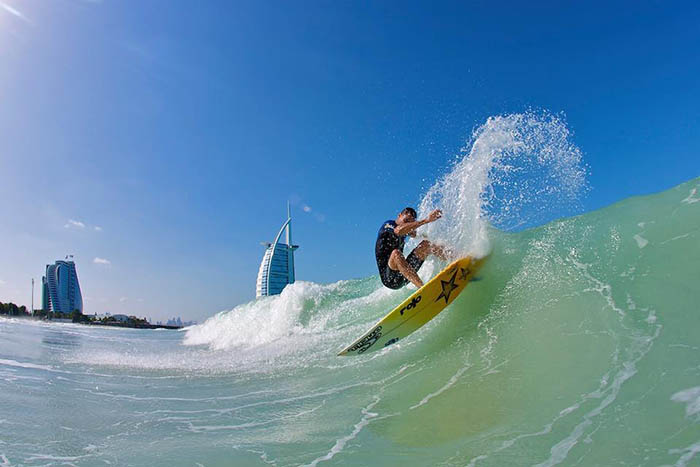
(407, 215)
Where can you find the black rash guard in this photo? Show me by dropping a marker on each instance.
(388, 241)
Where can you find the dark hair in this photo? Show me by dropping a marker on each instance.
(409, 210)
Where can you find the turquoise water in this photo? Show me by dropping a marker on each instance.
(579, 346)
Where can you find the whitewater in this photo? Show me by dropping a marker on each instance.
(578, 346)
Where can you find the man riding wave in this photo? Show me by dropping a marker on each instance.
(395, 269)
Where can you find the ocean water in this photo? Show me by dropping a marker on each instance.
(578, 346)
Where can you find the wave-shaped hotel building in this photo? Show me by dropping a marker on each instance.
(61, 289)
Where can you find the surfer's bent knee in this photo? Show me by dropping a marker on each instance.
(423, 249)
(393, 257)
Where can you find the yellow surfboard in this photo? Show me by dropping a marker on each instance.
(422, 306)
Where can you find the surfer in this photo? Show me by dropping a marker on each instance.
(395, 269)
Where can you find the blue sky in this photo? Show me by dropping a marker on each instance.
(158, 141)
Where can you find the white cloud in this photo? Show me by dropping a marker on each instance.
(123, 299)
(73, 223)
(296, 200)
(98, 260)
(13, 11)
(2, 282)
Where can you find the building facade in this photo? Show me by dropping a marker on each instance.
(61, 289)
(277, 265)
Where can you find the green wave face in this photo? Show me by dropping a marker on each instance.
(579, 344)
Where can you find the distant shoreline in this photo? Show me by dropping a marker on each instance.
(135, 326)
(110, 324)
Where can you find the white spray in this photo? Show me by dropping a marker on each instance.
(521, 169)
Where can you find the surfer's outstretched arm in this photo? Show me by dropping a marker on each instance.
(408, 227)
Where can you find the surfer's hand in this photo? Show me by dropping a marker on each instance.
(435, 215)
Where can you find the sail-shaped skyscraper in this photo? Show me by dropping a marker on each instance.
(277, 265)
